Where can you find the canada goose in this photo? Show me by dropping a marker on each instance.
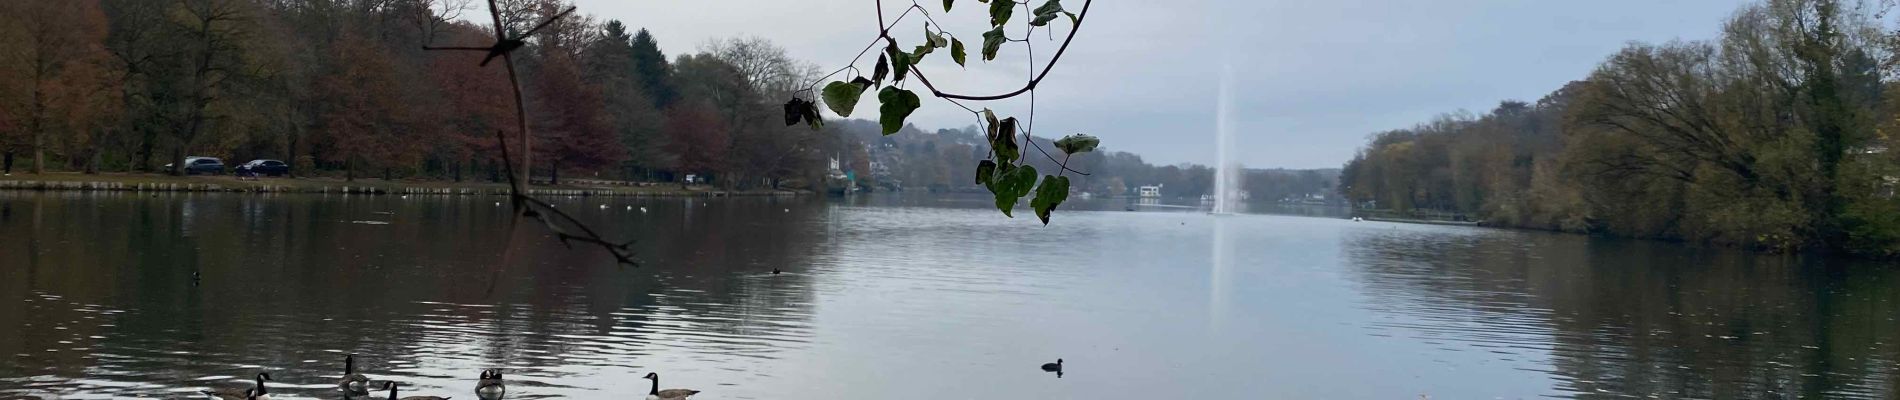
(490, 387)
(391, 386)
(775, 271)
(669, 394)
(352, 382)
(256, 392)
(1054, 366)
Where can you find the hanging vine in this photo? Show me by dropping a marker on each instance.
(1005, 170)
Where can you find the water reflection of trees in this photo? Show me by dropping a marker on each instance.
(437, 293)
(1633, 317)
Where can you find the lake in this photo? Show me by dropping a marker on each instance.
(912, 297)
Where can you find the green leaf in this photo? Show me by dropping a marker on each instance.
(917, 55)
(1073, 20)
(1047, 12)
(1003, 139)
(992, 41)
(882, 70)
(1011, 186)
(1000, 11)
(1078, 143)
(1053, 191)
(946, 5)
(842, 96)
(956, 51)
(900, 62)
(934, 39)
(984, 170)
(811, 115)
(898, 104)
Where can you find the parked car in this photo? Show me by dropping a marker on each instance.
(267, 167)
(201, 165)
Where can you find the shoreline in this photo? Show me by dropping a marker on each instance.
(1428, 222)
(133, 182)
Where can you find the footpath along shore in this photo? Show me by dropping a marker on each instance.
(165, 183)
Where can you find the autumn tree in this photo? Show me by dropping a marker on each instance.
(56, 72)
(698, 135)
(474, 110)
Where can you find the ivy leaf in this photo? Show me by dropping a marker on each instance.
(934, 39)
(1003, 139)
(1053, 191)
(898, 104)
(1011, 186)
(946, 5)
(1078, 143)
(794, 111)
(917, 55)
(882, 70)
(984, 170)
(1047, 12)
(956, 51)
(811, 116)
(900, 62)
(992, 41)
(842, 96)
(1000, 12)
(989, 117)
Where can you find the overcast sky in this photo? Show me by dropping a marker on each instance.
(1313, 77)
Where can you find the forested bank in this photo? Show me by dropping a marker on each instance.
(1774, 135)
(344, 89)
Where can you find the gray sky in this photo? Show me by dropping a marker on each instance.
(1313, 77)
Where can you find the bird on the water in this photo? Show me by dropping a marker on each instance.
(352, 382)
(255, 392)
(391, 385)
(668, 394)
(490, 386)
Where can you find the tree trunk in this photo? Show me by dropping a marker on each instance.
(349, 170)
(385, 173)
(178, 160)
(554, 172)
(39, 152)
(145, 152)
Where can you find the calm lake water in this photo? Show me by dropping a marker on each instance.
(914, 297)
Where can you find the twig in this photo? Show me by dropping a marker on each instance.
(523, 203)
(1079, 17)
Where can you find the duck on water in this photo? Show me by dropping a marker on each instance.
(352, 382)
(668, 394)
(255, 392)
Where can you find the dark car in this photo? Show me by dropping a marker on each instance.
(267, 167)
(201, 165)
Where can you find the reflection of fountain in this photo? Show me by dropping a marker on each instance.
(1223, 265)
(1226, 195)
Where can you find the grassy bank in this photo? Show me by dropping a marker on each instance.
(166, 183)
